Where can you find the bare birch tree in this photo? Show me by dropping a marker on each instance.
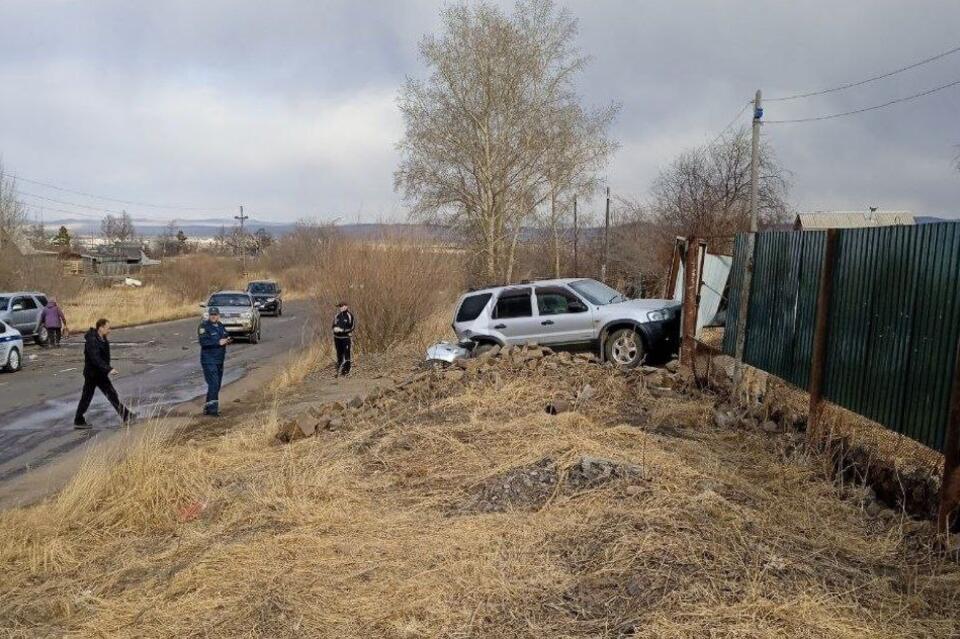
(13, 214)
(479, 130)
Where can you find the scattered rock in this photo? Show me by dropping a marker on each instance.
(585, 394)
(672, 366)
(874, 509)
(724, 419)
(355, 402)
(591, 471)
(557, 407)
(454, 375)
(634, 490)
(771, 427)
(297, 428)
(335, 424)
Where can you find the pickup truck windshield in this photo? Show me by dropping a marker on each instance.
(597, 292)
(263, 288)
(228, 300)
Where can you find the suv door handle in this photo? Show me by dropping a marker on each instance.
(499, 326)
(547, 322)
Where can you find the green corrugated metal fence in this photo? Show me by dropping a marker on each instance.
(894, 319)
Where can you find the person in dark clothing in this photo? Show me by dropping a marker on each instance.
(53, 319)
(213, 339)
(343, 325)
(96, 374)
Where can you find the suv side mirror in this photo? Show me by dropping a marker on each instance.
(203, 305)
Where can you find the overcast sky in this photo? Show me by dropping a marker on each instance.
(290, 107)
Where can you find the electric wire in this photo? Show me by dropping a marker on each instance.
(731, 123)
(851, 85)
(866, 109)
(117, 200)
(22, 193)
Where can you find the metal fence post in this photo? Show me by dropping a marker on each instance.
(950, 486)
(691, 301)
(821, 330)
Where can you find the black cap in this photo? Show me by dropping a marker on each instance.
(213, 310)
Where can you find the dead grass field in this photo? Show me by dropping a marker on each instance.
(456, 507)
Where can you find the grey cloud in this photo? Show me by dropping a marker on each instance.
(288, 107)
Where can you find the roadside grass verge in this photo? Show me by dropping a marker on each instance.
(376, 530)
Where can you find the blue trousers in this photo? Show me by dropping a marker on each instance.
(213, 374)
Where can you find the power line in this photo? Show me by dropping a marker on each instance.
(56, 210)
(118, 201)
(731, 123)
(55, 201)
(868, 80)
(870, 108)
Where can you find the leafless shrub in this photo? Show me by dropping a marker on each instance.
(392, 286)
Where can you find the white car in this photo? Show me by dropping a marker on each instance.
(11, 348)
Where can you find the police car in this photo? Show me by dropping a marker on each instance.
(11, 348)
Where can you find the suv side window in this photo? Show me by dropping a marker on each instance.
(29, 304)
(42, 299)
(553, 300)
(513, 303)
(472, 306)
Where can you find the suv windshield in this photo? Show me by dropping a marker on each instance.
(597, 292)
(263, 288)
(225, 299)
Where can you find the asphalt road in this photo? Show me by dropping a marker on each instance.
(158, 368)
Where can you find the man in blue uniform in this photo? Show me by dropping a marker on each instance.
(213, 349)
(343, 325)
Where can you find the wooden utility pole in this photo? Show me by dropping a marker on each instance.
(747, 280)
(606, 241)
(243, 242)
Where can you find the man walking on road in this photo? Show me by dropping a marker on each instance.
(55, 322)
(343, 325)
(213, 350)
(96, 374)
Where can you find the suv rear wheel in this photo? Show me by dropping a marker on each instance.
(13, 360)
(42, 335)
(624, 348)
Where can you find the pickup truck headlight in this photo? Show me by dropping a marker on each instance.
(656, 316)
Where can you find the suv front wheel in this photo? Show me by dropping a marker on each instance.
(624, 348)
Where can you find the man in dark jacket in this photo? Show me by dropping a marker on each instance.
(343, 325)
(213, 340)
(96, 374)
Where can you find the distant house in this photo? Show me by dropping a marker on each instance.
(821, 220)
(120, 258)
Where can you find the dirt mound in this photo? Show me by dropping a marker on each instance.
(531, 486)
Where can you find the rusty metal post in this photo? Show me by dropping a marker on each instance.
(950, 486)
(691, 301)
(818, 360)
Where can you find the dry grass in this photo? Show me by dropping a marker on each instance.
(126, 307)
(363, 532)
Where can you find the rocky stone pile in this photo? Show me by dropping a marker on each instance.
(531, 486)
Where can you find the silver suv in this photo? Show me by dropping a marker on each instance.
(571, 312)
(238, 313)
(22, 311)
